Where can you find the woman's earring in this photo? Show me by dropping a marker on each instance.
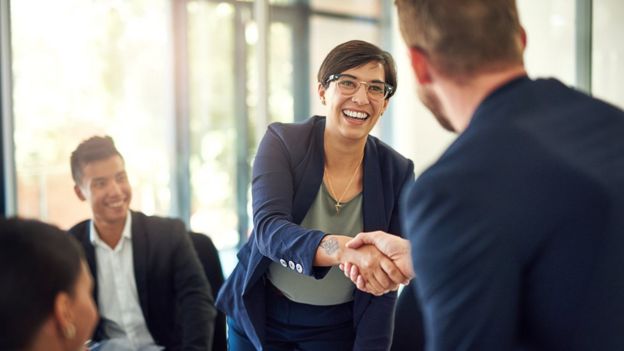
(323, 100)
(70, 331)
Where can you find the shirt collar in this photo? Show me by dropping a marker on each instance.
(125, 233)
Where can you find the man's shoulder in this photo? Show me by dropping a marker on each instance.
(140, 216)
(479, 161)
(80, 230)
(156, 225)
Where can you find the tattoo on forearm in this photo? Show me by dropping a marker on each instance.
(330, 245)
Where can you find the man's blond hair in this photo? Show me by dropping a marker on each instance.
(463, 37)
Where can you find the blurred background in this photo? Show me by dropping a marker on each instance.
(187, 87)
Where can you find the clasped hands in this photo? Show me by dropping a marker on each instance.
(377, 262)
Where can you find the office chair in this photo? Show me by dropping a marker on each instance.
(209, 258)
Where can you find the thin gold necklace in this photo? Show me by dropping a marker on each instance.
(338, 203)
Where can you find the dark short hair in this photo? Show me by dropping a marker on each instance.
(463, 37)
(356, 53)
(95, 148)
(37, 262)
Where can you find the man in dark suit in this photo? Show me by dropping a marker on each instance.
(517, 231)
(149, 285)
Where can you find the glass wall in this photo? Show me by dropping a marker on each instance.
(175, 83)
(223, 98)
(281, 85)
(608, 51)
(211, 32)
(550, 27)
(82, 68)
(361, 8)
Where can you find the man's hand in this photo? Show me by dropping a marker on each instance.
(397, 249)
(376, 271)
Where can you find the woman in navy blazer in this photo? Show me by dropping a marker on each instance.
(295, 165)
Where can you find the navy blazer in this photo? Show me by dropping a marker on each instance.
(517, 230)
(173, 291)
(287, 175)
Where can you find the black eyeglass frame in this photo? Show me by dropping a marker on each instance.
(388, 89)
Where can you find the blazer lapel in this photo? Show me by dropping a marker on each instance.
(309, 176)
(90, 256)
(139, 254)
(373, 204)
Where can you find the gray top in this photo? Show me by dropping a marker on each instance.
(334, 288)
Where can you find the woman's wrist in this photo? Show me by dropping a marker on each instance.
(331, 250)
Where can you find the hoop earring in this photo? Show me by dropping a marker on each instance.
(69, 331)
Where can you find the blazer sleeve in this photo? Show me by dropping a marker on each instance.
(193, 294)
(277, 236)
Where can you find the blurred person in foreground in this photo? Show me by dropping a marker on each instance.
(517, 232)
(150, 288)
(315, 185)
(45, 289)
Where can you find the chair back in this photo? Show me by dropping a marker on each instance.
(209, 258)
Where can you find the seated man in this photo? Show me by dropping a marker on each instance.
(149, 285)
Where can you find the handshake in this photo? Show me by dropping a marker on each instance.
(376, 262)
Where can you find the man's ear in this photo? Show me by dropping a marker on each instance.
(79, 193)
(523, 38)
(420, 65)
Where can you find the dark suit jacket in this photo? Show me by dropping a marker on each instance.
(517, 230)
(287, 175)
(175, 297)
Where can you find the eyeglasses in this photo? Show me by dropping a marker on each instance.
(349, 85)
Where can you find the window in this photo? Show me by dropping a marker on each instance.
(175, 83)
(82, 68)
(213, 134)
(608, 51)
(550, 27)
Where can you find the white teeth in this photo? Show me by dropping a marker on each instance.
(116, 204)
(355, 114)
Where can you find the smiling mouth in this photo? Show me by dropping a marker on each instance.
(116, 204)
(360, 116)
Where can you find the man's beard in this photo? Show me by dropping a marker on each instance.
(432, 102)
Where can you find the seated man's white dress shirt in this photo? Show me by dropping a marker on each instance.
(117, 290)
